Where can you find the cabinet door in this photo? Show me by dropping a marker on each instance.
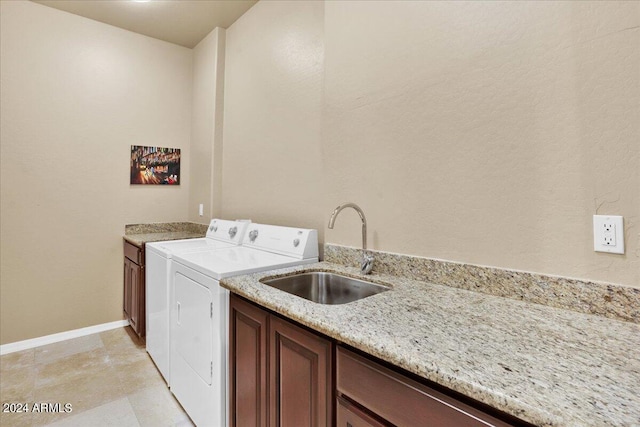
(126, 303)
(134, 313)
(133, 303)
(140, 296)
(301, 388)
(248, 336)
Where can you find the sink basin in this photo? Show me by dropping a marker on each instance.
(325, 288)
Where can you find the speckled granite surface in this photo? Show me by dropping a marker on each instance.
(605, 299)
(139, 234)
(545, 365)
(166, 227)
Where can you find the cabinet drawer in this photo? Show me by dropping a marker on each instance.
(133, 252)
(348, 415)
(400, 400)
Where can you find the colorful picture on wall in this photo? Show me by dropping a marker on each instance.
(155, 165)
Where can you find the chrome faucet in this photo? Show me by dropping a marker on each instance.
(367, 259)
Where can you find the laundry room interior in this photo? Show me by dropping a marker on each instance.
(484, 154)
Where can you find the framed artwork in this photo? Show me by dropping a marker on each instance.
(155, 165)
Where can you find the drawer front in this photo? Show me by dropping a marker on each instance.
(133, 252)
(400, 400)
(348, 415)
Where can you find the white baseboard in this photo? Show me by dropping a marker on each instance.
(62, 336)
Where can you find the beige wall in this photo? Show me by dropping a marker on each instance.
(498, 129)
(272, 160)
(480, 132)
(495, 128)
(206, 127)
(75, 95)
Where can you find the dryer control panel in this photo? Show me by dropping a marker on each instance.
(300, 243)
(227, 231)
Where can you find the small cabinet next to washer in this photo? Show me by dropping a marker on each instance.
(133, 300)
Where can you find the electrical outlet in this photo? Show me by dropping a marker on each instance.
(608, 234)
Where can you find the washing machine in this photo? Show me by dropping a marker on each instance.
(199, 312)
(220, 234)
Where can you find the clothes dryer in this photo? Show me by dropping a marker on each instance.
(220, 234)
(199, 312)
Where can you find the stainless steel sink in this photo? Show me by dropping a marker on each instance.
(325, 288)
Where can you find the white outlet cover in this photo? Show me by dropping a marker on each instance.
(608, 234)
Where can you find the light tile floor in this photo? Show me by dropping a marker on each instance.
(108, 378)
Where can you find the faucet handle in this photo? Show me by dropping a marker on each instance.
(367, 263)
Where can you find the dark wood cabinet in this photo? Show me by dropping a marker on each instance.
(300, 386)
(247, 364)
(133, 298)
(284, 375)
(126, 303)
(280, 374)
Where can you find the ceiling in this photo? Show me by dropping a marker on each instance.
(183, 22)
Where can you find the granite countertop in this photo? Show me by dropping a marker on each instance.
(545, 365)
(139, 234)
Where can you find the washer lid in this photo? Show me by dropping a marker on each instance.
(170, 247)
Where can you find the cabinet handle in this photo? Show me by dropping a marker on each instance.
(178, 312)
